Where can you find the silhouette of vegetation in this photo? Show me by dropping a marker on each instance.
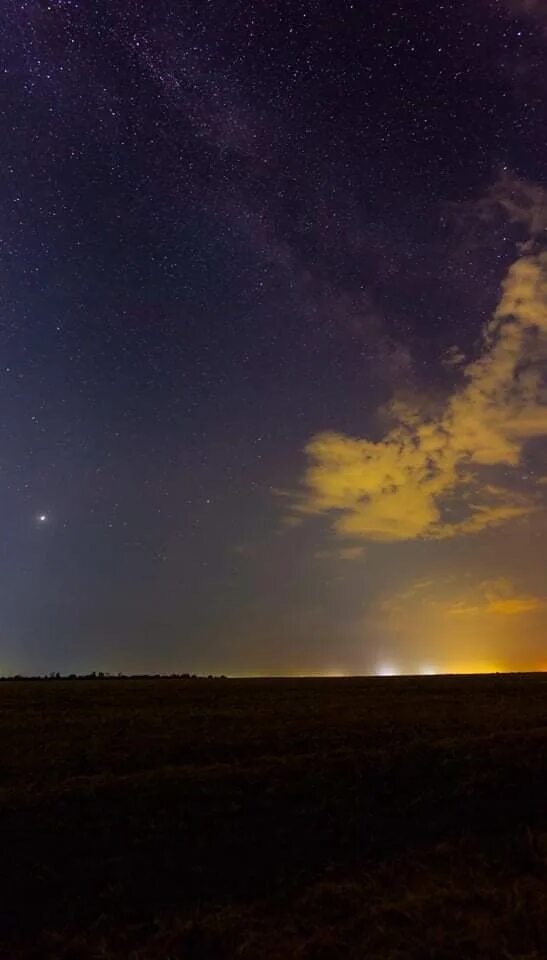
(102, 675)
(387, 818)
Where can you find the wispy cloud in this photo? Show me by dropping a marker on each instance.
(497, 597)
(457, 596)
(521, 202)
(351, 552)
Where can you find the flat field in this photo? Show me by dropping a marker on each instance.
(319, 819)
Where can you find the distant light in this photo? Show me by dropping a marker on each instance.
(387, 670)
(42, 518)
(428, 670)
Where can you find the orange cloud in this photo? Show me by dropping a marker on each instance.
(428, 477)
(516, 605)
(499, 597)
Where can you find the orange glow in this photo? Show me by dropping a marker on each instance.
(474, 667)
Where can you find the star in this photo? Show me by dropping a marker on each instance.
(275, 221)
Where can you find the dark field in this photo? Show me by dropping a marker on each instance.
(385, 818)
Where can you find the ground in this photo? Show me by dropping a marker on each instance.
(381, 818)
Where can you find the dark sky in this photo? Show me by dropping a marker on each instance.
(255, 415)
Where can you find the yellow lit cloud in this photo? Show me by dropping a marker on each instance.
(350, 552)
(516, 605)
(499, 597)
(429, 477)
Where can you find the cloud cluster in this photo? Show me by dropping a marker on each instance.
(499, 597)
(431, 476)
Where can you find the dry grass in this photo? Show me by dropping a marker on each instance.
(266, 819)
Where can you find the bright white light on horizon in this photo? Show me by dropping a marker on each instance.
(387, 670)
(428, 670)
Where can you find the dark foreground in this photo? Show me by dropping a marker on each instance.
(377, 819)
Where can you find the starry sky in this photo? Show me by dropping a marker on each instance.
(273, 336)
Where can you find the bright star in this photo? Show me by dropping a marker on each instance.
(42, 518)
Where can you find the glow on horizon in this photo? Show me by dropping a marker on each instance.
(474, 667)
(387, 670)
(465, 668)
(390, 669)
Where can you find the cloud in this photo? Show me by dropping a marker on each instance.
(434, 597)
(504, 607)
(522, 202)
(351, 552)
(453, 357)
(431, 476)
(499, 597)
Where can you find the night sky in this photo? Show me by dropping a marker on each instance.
(273, 336)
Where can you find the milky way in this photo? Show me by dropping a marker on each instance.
(230, 232)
